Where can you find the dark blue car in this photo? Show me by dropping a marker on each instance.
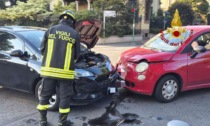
(20, 62)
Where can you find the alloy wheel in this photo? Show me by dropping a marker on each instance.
(169, 89)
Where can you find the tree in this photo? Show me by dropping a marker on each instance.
(67, 2)
(5, 44)
(156, 22)
(2, 4)
(200, 7)
(12, 2)
(118, 25)
(33, 10)
(185, 11)
(23, 1)
(58, 9)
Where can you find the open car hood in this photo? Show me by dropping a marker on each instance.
(89, 31)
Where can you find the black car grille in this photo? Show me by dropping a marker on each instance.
(102, 78)
(129, 84)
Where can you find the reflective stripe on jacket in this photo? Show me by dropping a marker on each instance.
(60, 47)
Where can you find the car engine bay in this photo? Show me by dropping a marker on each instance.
(89, 59)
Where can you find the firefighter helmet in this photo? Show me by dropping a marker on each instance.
(67, 13)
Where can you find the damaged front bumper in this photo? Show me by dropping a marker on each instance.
(91, 89)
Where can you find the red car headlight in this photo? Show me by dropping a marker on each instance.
(141, 67)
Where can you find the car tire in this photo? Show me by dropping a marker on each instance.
(54, 100)
(167, 89)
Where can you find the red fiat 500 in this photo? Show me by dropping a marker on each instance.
(168, 63)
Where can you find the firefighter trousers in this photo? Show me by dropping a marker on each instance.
(64, 90)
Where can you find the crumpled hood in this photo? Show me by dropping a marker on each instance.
(139, 53)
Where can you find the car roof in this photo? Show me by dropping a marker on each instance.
(21, 28)
(198, 27)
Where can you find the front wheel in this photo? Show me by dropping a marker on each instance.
(54, 100)
(167, 89)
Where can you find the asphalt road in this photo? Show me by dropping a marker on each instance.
(19, 108)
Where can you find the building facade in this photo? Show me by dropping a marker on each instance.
(161, 4)
(165, 4)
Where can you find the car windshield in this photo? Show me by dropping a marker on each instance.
(167, 41)
(34, 37)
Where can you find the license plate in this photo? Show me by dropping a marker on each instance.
(120, 83)
(112, 90)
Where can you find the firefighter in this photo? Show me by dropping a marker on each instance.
(60, 47)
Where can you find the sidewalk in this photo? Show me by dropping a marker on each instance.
(114, 50)
(125, 39)
(117, 39)
(118, 44)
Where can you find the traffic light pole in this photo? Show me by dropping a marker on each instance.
(134, 14)
(104, 27)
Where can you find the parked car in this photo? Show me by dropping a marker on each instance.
(167, 64)
(20, 62)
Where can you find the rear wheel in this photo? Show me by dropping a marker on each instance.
(167, 89)
(54, 100)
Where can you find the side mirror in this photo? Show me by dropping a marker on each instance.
(26, 54)
(193, 54)
(16, 53)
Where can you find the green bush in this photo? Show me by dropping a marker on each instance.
(156, 22)
(37, 13)
(155, 30)
(34, 12)
(85, 14)
(119, 25)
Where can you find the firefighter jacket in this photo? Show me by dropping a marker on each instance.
(60, 47)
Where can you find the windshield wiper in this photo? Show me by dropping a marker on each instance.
(153, 48)
(156, 49)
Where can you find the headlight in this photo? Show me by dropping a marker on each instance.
(142, 66)
(109, 66)
(82, 73)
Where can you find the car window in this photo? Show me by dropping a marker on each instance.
(167, 41)
(204, 40)
(9, 42)
(33, 36)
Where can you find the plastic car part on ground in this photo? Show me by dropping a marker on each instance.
(112, 117)
(177, 123)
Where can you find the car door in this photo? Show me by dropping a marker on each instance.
(199, 66)
(14, 72)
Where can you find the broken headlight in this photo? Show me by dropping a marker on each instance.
(82, 73)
